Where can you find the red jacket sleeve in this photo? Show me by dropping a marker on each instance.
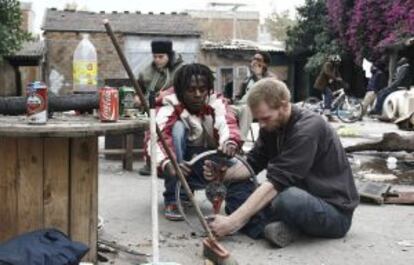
(166, 117)
(225, 122)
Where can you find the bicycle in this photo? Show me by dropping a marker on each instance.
(206, 193)
(348, 109)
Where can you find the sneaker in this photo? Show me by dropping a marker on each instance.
(172, 213)
(279, 234)
(331, 118)
(145, 170)
(326, 112)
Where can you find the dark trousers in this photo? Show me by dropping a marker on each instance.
(327, 98)
(237, 192)
(381, 96)
(309, 214)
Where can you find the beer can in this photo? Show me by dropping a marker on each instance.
(36, 103)
(126, 101)
(108, 104)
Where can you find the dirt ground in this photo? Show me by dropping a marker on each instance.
(379, 234)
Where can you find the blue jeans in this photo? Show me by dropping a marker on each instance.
(381, 96)
(328, 98)
(237, 192)
(309, 214)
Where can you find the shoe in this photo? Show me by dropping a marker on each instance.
(330, 118)
(374, 113)
(326, 112)
(145, 170)
(172, 213)
(279, 234)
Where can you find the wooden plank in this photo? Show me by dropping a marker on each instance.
(56, 183)
(84, 193)
(68, 126)
(30, 184)
(119, 151)
(128, 159)
(8, 188)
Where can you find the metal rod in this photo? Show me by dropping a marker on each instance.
(138, 90)
(154, 190)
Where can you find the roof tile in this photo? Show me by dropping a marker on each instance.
(132, 23)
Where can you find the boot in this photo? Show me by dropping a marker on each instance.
(146, 169)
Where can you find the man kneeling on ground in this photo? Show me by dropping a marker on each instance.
(194, 119)
(309, 186)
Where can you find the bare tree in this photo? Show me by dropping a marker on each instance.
(278, 24)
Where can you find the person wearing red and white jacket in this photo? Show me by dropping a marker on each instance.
(193, 119)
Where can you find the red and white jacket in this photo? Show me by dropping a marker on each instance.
(215, 111)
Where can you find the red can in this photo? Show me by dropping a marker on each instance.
(108, 104)
(36, 103)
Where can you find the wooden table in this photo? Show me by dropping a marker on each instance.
(49, 175)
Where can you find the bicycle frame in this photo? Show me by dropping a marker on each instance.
(338, 96)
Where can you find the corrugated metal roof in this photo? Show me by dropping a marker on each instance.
(243, 45)
(132, 23)
(30, 49)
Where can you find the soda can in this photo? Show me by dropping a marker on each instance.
(36, 103)
(108, 104)
(126, 101)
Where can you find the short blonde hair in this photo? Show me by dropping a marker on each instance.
(269, 90)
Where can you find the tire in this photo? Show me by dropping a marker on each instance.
(350, 110)
(200, 194)
(313, 104)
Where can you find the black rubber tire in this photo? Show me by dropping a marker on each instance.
(197, 227)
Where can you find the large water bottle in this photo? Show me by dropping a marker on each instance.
(85, 67)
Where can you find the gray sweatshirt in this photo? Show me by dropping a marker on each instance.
(306, 153)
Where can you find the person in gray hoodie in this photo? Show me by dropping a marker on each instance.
(158, 76)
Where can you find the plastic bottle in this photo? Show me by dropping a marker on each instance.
(85, 67)
(392, 162)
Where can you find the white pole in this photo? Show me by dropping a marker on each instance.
(234, 24)
(154, 190)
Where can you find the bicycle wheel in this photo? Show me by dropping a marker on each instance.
(350, 110)
(202, 191)
(313, 104)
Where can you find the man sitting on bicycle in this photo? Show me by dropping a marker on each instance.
(194, 119)
(327, 81)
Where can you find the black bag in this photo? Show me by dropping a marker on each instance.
(42, 247)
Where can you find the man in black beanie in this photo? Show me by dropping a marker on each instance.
(159, 74)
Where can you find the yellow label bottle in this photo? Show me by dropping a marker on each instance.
(85, 67)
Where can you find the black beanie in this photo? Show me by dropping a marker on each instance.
(161, 46)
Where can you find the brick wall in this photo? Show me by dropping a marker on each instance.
(25, 20)
(222, 29)
(61, 46)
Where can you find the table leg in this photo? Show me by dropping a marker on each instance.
(84, 193)
(128, 158)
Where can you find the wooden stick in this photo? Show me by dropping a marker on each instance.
(138, 90)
